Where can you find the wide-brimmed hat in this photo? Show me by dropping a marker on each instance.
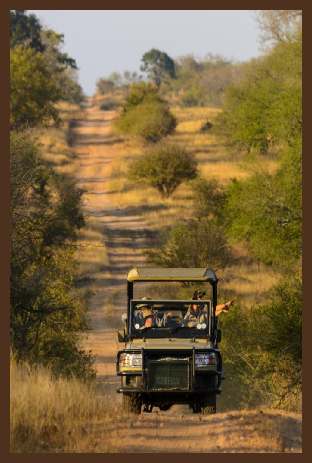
(198, 293)
(145, 304)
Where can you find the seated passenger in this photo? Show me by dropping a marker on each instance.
(144, 316)
(196, 313)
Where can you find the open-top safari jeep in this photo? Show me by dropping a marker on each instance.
(166, 359)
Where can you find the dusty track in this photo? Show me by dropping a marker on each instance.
(123, 238)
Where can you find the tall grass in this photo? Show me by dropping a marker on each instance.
(55, 415)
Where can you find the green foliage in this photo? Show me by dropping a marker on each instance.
(33, 92)
(145, 115)
(262, 349)
(264, 109)
(164, 167)
(265, 210)
(25, 30)
(62, 67)
(202, 82)
(139, 93)
(27, 33)
(209, 199)
(148, 121)
(158, 66)
(47, 313)
(196, 243)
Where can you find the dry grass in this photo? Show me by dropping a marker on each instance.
(49, 415)
(56, 415)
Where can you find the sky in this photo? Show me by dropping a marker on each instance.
(104, 41)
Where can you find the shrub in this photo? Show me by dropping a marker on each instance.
(206, 127)
(139, 93)
(264, 108)
(108, 105)
(209, 198)
(196, 243)
(164, 167)
(33, 92)
(262, 350)
(145, 114)
(47, 313)
(148, 121)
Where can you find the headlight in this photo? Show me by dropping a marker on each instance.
(130, 361)
(205, 359)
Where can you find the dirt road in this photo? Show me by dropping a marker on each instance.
(115, 240)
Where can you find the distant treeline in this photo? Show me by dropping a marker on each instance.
(47, 311)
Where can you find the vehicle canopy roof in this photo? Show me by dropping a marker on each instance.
(171, 274)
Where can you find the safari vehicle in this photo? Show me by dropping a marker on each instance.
(167, 361)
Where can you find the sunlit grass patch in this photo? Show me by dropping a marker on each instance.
(55, 415)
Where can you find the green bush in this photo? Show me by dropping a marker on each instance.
(266, 211)
(209, 198)
(108, 105)
(262, 350)
(196, 243)
(33, 92)
(164, 167)
(145, 115)
(141, 92)
(147, 121)
(47, 311)
(264, 108)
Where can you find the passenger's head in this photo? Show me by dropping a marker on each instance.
(198, 294)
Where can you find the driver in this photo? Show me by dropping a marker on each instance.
(145, 316)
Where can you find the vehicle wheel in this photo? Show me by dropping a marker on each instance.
(209, 405)
(164, 407)
(132, 403)
(196, 406)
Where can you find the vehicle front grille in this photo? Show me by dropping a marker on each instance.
(168, 374)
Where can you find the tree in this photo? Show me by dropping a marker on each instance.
(264, 109)
(61, 66)
(266, 212)
(25, 30)
(158, 66)
(196, 243)
(47, 313)
(164, 167)
(104, 86)
(33, 92)
(279, 25)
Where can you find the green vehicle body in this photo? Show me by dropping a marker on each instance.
(170, 366)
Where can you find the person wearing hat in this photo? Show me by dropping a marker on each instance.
(197, 313)
(144, 315)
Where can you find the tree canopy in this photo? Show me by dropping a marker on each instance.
(158, 66)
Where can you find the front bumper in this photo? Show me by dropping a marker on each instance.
(172, 373)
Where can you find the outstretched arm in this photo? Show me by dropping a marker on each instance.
(223, 307)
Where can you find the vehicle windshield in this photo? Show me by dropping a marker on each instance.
(164, 318)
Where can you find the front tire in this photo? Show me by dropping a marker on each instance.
(206, 405)
(132, 403)
(209, 406)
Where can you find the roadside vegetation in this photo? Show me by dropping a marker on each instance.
(245, 217)
(48, 312)
(213, 166)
